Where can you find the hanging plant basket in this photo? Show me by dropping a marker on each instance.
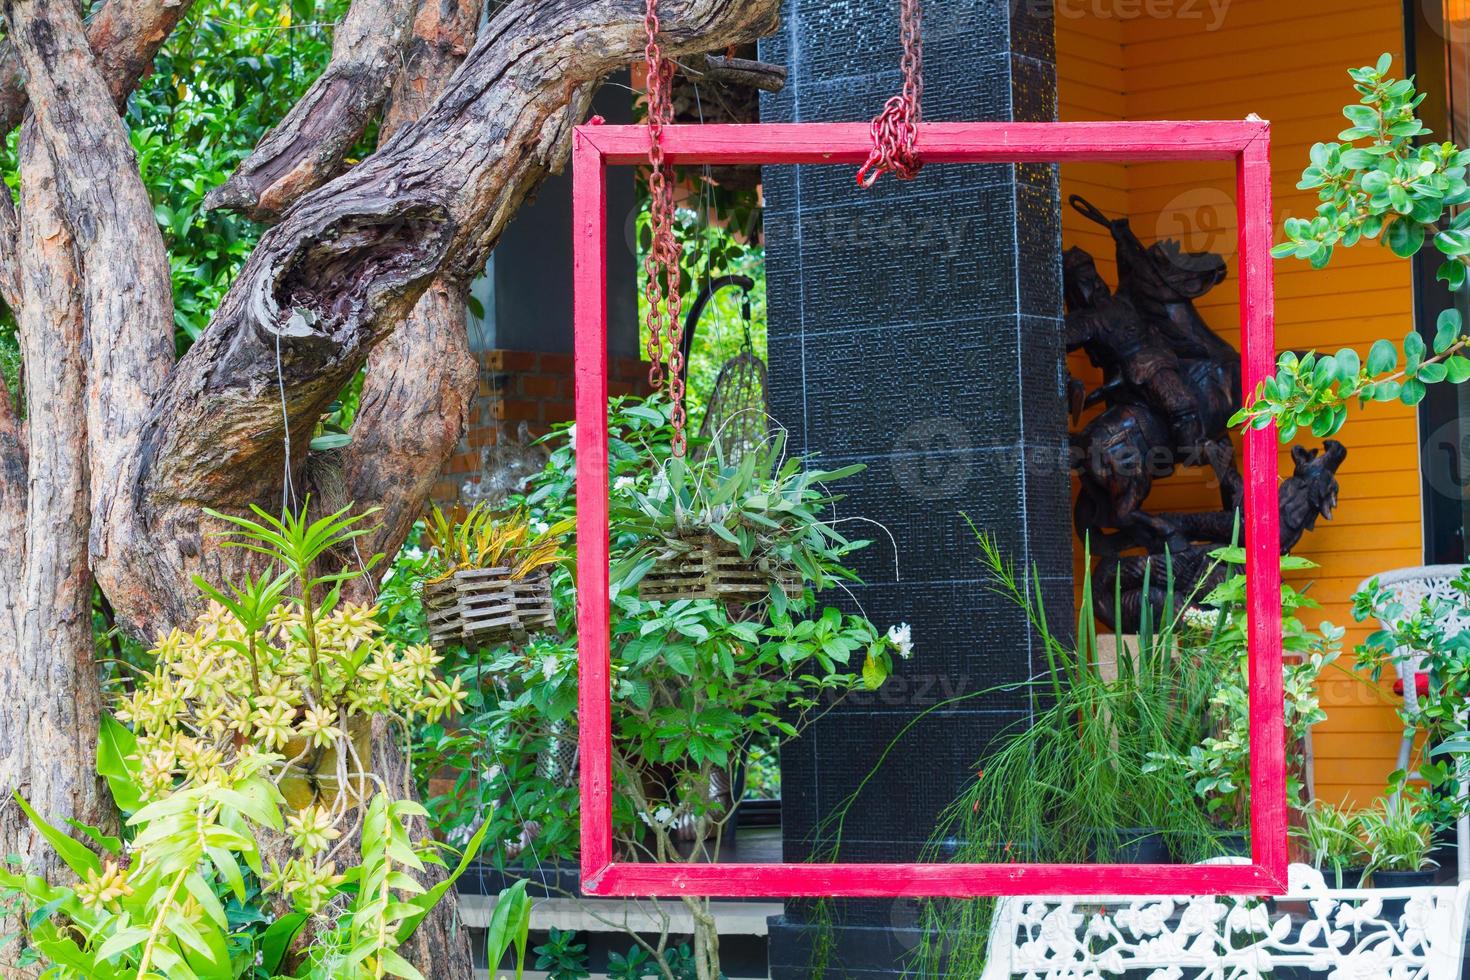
(706, 566)
(484, 606)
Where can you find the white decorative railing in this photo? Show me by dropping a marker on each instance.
(1343, 934)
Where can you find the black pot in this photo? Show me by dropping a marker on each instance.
(1132, 845)
(1403, 879)
(1342, 877)
(1233, 843)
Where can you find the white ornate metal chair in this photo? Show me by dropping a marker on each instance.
(1342, 934)
(1411, 586)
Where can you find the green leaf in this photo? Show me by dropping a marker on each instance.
(1413, 351)
(330, 440)
(680, 658)
(1458, 369)
(122, 941)
(873, 673)
(116, 746)
(395, 964)
(1383, 357)
(1348, 365)
(1405, 237)
(510, 925)
(1447, 330)
(1413, 392)
(1452, 274)
(277, 939)
(73, 852)
(110, 844)
(1325, 371)
(426, 901)
(1432, 373)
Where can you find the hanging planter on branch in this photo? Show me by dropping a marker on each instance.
(495, 585)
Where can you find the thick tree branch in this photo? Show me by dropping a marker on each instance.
(415, 402)
(307, 148)
(349, 262)
(124, 34)
(420, 380)
(126, 287)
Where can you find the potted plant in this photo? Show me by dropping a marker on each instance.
(732, 532)
(1399, 837)
(491, 580)
(1332, 836)
(1218, 765)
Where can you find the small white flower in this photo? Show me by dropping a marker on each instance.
(902, 637)
(540, 527)
(663, 816)
(549, 666)
(623, 483)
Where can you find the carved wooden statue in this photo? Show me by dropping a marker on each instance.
(1170, 385)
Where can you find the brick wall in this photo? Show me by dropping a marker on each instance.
(523, 386)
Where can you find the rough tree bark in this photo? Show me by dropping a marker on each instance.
(120, 449)
(416, 395)
(49, 730)
(345, 267)
(49, 682)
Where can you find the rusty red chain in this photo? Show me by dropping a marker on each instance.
(896, 128)
(661, 264)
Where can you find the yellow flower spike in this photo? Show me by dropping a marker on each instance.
(311, 830)
(100, 889)
(273, 725)
(319, 725)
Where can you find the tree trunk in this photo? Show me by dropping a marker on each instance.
(49, 711)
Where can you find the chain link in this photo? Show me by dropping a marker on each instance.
(661, 264)
(896, 129)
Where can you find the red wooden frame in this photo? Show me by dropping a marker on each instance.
(596, 147)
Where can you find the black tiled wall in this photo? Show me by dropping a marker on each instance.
(916, 328)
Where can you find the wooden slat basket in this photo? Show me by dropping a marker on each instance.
(485, 606)
(706, 566)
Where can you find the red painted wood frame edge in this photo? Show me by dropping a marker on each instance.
(596, 147)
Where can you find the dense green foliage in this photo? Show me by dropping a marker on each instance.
(695, 681)
(273, 682)
(1108, 756)
(1428, 632)
(1380, 183)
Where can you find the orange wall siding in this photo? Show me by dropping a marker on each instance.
(1256, 61)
